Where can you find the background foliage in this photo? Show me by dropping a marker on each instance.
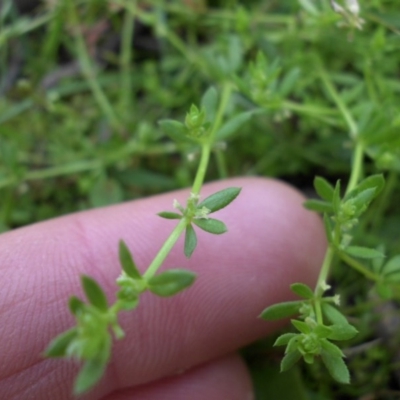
(83, 85)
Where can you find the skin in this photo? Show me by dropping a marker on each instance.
(176, 348)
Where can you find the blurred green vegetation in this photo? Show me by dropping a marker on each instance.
(83, 85)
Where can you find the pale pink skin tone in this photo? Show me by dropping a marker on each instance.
(177, 348)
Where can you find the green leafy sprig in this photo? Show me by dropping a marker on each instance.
(90, 341)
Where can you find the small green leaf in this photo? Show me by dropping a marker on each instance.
(302, 290)
(324, 189)
(209, 102)
(127, 263)
(171, 282)
(281, 310)
(322, 331)
(169, 215)
(88, 376)
(211, 225)
(362, 200)
(59, 345)
(284, 339)
(336, 367)
(190, 241)
(290, 359)
(392, 266)
(220, 199)
(363, 252)
(176, 131)
(301, 326)
(333, 314)
(318, 206)
(375, 182)
(331, 348)
(233, 124)
(75, 305)
(342, 332)
(94, 293)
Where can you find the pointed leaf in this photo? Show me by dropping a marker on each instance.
(318, 206)
(322, 331)
(284, 339)
(281, 310)
(94, 293)
(59, 345)
(75, 305)
(190, 241)
(324, 189)
(362, 200)
(375, 182)
(392, 266)
(302, 290)
(211, 225)
(233, 124)
(176, 131)
(171, 282)
(363, 252)
(220, 199)
(342, 332)
(169, 215)
(209, 103)
(336, 367)
(290, 359)
(88, 376)
(301, 326)
(331, 348)
(333, 314)
(127, 263)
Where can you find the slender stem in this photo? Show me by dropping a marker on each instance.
(198, 182)
(356, 169)
(321, 283)
(207, 145)
(165, 249)
(125, 61)
(221, 164)
(87, 165)
(201, 171)
(89, 73)
(358, 266)
(340, 103)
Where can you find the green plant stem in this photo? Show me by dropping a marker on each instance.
(356, 169)
(356, 172)
(221, 164)
(80, 166)
(125, 61)
(165, 249)
(89, 73)
(353, 130)
(358, 266)
(198, 182)
(321, 283)
(207, 145)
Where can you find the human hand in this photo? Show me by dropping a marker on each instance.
(177, 348)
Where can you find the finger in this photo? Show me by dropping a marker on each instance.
(272, 242)
(226, 378)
